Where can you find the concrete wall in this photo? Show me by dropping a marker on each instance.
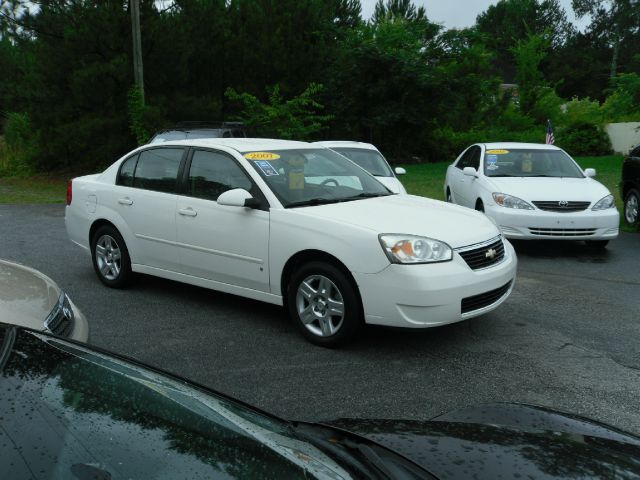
(623, 136)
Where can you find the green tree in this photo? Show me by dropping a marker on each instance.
(615, 21)
(529, 54)
(398, 10)
(508, 22)
(294, 119)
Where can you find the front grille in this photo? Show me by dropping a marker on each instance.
(483, 255)
(562, 206)
(482, 300)
(562, 232)
(61, 319)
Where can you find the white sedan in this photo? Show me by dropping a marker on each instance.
(533, 191)
(292, 224)
(369, 157)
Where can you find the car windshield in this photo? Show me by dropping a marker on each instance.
(372, 161)
(74, 410)
(529, 163)
(313, 177)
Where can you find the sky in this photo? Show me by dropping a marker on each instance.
(459, 13)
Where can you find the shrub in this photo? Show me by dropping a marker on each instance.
(18, 150)
(584, 139)
(582, 110)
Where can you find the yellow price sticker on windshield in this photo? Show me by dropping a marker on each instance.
(261, 156)
(497, 152)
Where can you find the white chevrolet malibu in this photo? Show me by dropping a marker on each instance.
(533, 191)
(291, 224)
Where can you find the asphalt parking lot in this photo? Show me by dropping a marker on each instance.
(567, 338)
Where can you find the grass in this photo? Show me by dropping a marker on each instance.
(35, 189)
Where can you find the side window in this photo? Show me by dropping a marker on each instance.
(214, 173)
(465, 160)
(157, 169)
(127, 169)
(474, 158)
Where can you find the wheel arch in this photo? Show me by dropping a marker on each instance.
(311, 255)
(626, 186)
(100, 223)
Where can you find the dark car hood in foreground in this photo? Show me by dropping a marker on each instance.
(507, 441)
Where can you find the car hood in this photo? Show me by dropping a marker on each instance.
(506, 441)
(26, 295)
(455, 225)
(550, 189)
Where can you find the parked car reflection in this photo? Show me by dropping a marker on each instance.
(70, 411)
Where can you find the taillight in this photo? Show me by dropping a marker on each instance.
(69, 192)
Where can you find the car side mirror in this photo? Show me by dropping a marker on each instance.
(590, 172)
(400, 171)
(470, 171)
(238, 197)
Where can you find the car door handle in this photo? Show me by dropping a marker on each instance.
(125, 201)
(188, 212)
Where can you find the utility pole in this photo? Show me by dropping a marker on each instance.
(134, 6)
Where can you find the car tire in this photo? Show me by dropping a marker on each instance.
(324, 304)
(597, 244)
(449, 199)
(110, 257)
(631, 203)
(480, 206)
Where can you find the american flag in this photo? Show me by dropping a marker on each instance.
(550, 138)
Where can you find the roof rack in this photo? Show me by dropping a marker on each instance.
(206, 124)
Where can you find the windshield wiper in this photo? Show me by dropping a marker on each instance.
(314, 201)
(365, 195)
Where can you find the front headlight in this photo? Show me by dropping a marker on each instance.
(413, 249)
(509, 201)
(604, 203)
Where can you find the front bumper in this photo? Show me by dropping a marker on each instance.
(429, 295)
(543, 225)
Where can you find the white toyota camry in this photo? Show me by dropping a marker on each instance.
(533, 191)
(293, 224)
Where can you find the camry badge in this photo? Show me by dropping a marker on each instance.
(563, 203)
(491, 253)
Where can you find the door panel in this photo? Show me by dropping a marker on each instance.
(145, 198)
(221, 243)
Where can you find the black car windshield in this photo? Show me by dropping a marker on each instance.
(71, 412)
(529, 163)
(302, 177)
(371, 160)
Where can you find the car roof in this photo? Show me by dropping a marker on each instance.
(516, 145)
(345, 144)
(243, 144)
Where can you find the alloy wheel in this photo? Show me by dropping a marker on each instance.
(320, 305)
(108, 257)
(631, 209)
